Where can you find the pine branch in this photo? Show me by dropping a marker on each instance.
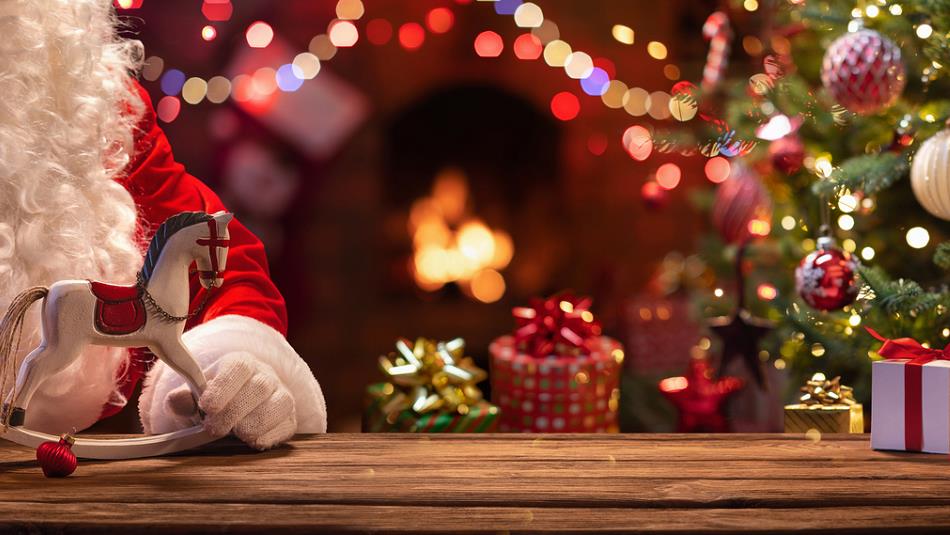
(902, 296)
(942, 256)
(870, 173)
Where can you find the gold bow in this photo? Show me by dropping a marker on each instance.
(820, 391)
(430, 376)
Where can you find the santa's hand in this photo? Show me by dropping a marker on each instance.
(242, 396)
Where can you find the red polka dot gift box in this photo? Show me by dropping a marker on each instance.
(556, 373)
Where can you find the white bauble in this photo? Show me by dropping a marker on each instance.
(930, 175)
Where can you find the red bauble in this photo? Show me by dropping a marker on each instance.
(57, 458)
(864, 72)
(826, 278)
(699, 396)
(787, 154)
(742, 208)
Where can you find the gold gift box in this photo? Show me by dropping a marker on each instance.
(841, 418)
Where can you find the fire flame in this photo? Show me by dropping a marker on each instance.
(452, 246)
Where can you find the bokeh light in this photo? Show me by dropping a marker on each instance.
(657, 50)
(638, 142)
(379, 31)
(547, 32)
(306, 66)
(411, 36)
(918, 237)
(219, 89)
(343, 33)
(717, 170)
(241, 88)
(264, 82)
(349, 9)
(172, 81)
(596, 83)
(565, 106)
(259, 34)
(668, 175)
(616, 94)
(671, 72)
(597, 144)
(623, 34)
(287, 79)
(489, 44)
(321, 47)
(528, 15)
(527, 46)
(766, 291)
(578, 65)
(194, 90)
(217, 10)
(440, 20)
(637, 101)
(208, 33)
(506, 7)
(152, 68)
(556, 53)
(488, 286)
(607, 65)
(659, 105)
(168, 108)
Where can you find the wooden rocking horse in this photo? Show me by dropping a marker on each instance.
(150, 313)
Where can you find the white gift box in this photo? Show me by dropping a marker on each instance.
(889, 397)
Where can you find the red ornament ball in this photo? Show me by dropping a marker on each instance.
(742, 208)
(826, 277)
(57, 458)
(864, 71)
(787, 154)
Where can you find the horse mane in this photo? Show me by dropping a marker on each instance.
(164, 233)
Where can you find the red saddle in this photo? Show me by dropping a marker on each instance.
(119, 309)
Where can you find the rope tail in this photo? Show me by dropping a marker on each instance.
(11, 328)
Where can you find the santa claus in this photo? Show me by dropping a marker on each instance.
(87, 176)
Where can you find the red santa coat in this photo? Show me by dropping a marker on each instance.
(161, 187)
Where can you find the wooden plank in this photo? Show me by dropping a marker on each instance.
(181, 517)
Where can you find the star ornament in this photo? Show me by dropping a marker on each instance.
(740, 334)
(699, 397)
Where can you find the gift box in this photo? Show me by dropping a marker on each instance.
(910, 397)
(827, 406)
(431, 389)
(556, 374)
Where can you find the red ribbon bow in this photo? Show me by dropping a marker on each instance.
(560, 320)
(916, 355)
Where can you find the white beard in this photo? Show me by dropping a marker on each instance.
(67, 115)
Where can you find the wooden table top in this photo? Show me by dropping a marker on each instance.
(412, 483)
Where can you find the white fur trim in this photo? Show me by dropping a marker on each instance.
(214, 339)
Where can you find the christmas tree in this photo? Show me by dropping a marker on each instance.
(835, 114)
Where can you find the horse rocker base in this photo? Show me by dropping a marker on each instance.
(150, 314)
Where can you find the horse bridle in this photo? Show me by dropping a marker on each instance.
(212, 242)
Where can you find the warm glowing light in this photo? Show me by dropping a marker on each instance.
(668, 175)
(847, 203)
(321, 47)
(556, 53)
(867, 253)
(168, 108)
(895, 9)
(777, 127)
(527, 46)
(217, 10)
(718, 292)
(153, 67)
(623, 34)
(578, 65)
(845, 222)
(565, 105)
(241, 88)
(717, 169)
(671, 72)
(528, 15)
(636, 101)
(750, 5)
(674, 384)
(659, 105)
(657, 50)
(547, 32)
(918, 237)
(924, 31)
(817, 349)
(440, 20)
(349, 9)
(264, 81)
(259, 34)
(766, 292)
(788, 222)
(219, 89)
(872, 11)
(476, 242)
(343, 33)
(638, 142)
(306, 66)
(488, 286)
(854, 320)
(823, 166)
(616, 94)
(849, 245)
(194, 90)
(411, 36)
(489, 44)
(208, 33)
(759, 227)
(379, 31)
(682, 107)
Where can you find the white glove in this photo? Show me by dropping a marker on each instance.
(243, 396)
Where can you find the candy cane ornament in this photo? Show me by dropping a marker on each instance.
(719, 33)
